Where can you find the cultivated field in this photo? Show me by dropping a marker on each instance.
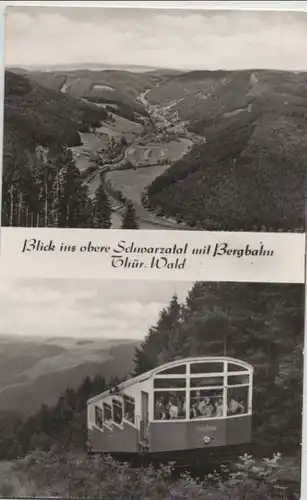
(121, 127)
(155, 152)
(92, 142)
(133, 182)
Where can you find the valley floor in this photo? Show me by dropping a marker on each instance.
(149, 156)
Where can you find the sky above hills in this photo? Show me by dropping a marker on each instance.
(82, 308)
(156, 37)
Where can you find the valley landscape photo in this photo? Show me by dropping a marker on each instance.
(75, 339)
(155, 119)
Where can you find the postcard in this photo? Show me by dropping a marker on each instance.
(153, 251)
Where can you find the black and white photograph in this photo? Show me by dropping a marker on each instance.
(155, 118)
(150, 389)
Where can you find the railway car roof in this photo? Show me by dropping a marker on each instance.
(149, 374)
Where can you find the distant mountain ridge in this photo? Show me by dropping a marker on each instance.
(90, 66)
(34, 371)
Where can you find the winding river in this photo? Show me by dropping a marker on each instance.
(150, 158)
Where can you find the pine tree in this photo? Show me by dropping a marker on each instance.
(43, 170)
(102, 211)
(165, 341)
(70, 197)
(129, 218)
(87, 220)
(19, 190)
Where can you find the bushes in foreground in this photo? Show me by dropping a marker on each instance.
(49, 474)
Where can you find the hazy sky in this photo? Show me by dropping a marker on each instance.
(178, 39)
(80, 308)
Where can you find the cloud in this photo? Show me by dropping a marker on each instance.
(82, 308)
(157, 37)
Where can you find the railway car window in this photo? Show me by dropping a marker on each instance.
(238, 379)
(117, 411)
(206, 403)
(107, 414)
(206, 381)
(175, 370)
(98, 417)
(169, 405)
(236, 368)
(169, 383)
(237, 400)
(129, 409)
(207, 367)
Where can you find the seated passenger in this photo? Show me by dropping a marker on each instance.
(193, 411)
(182, 409)
(160, 411)
(173, 410)
(205, 408)
(166, 415)
(129, 417)
(218, 407)
(235, 407)
(242, 405)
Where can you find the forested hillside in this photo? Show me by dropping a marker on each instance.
(35, 115)
(251, 172)
(41, 184)
(62, 426)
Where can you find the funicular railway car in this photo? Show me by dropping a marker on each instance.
(183, 409)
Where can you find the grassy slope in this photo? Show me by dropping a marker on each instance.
(36, 371)
(266, 185)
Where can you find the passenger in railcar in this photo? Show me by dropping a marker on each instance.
(171, 406)
(234, 407)
(160, 409)
(173, 409)
(205, 408)
(218, 408)
(193, 411)
(242, 406)
(129, 416)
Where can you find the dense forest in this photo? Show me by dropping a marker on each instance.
(244, 177)
(41, 185)
(48, 191)
(35, 115)
(251, 172)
